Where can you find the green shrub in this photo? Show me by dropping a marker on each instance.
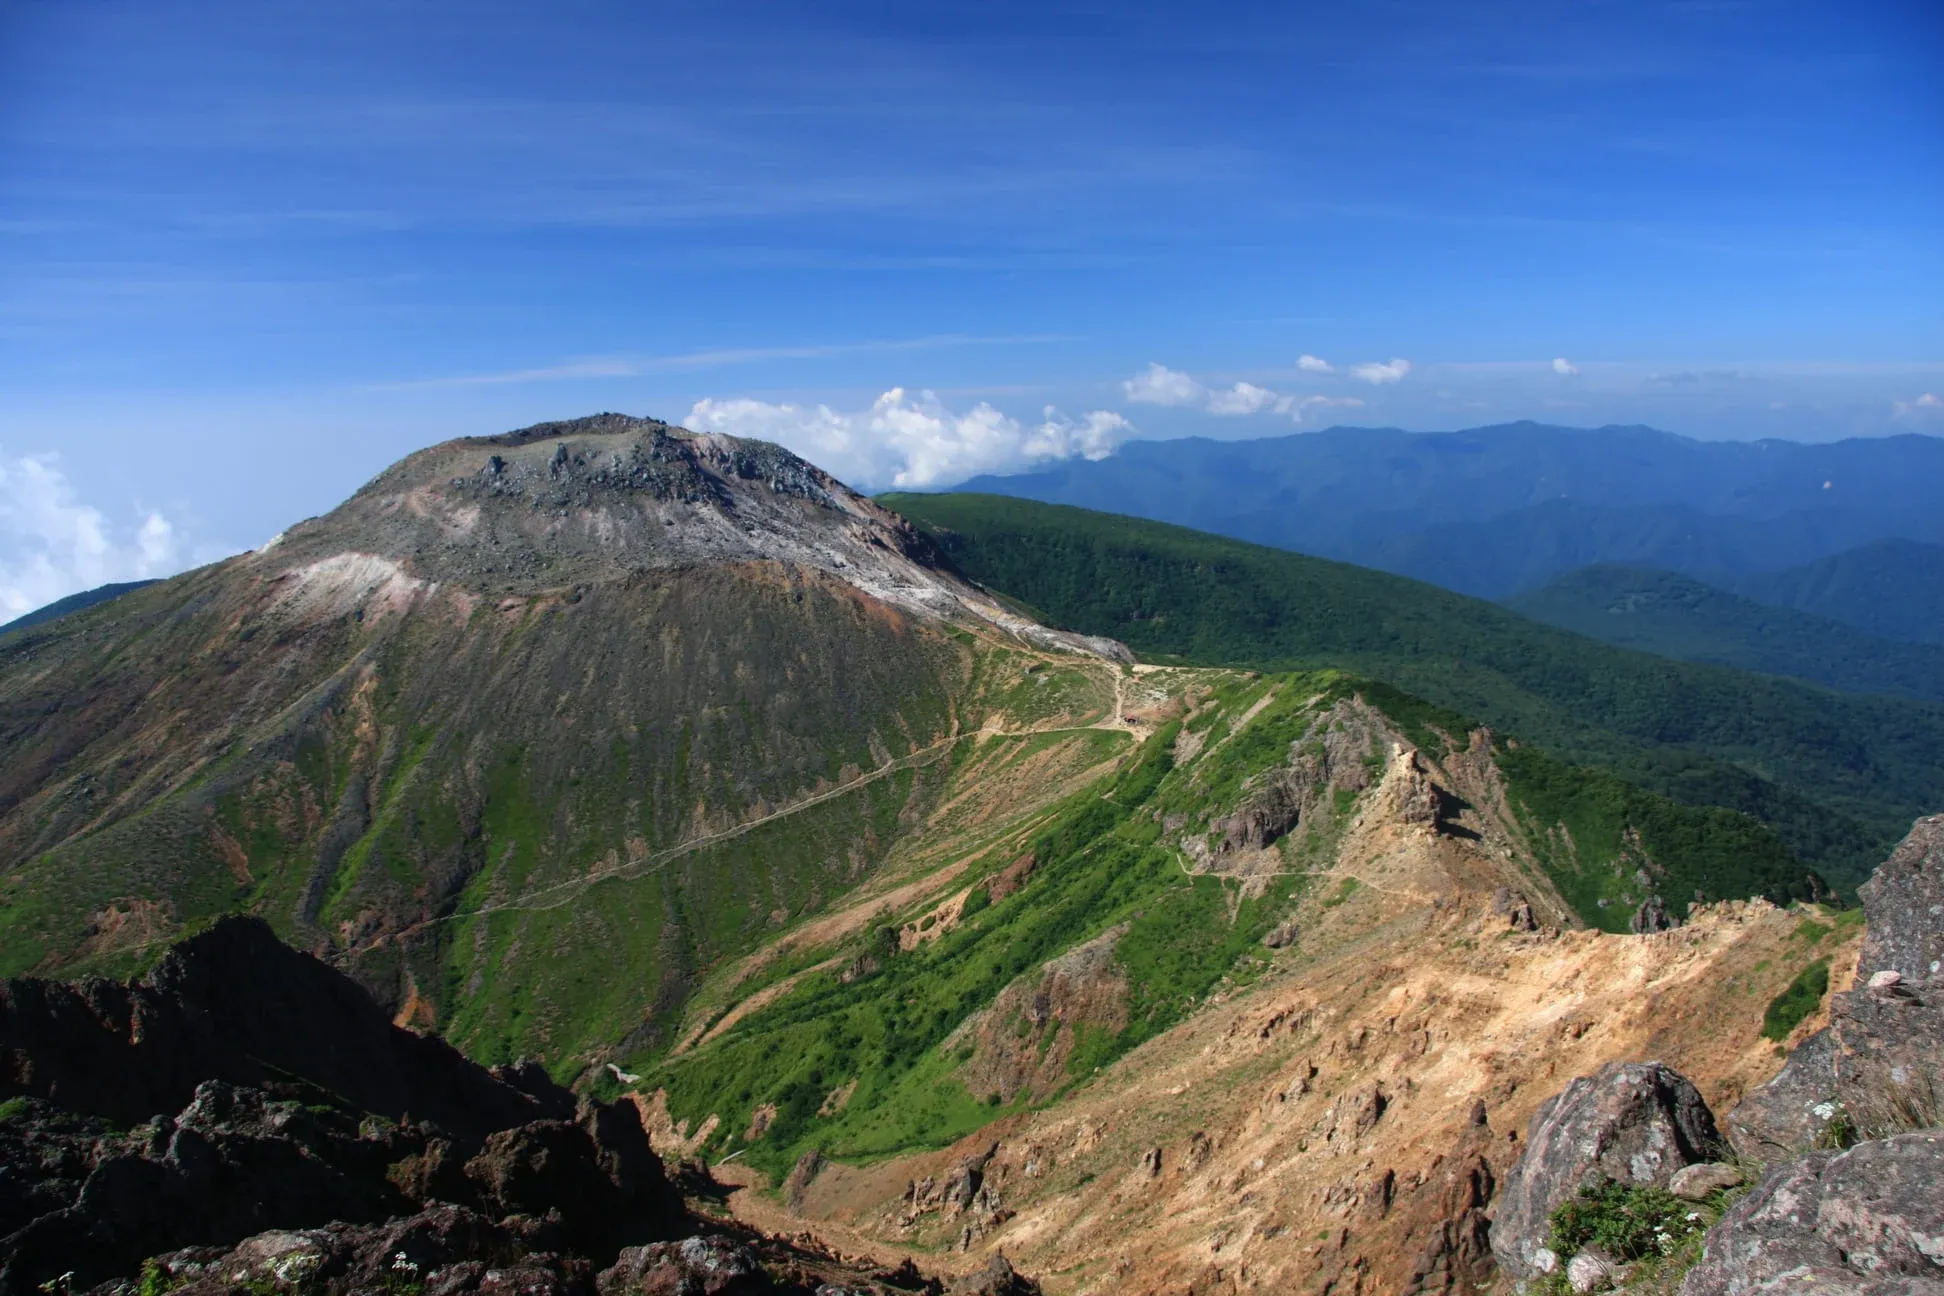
(1786, 1010)
(979, 897)
(1627, 1222)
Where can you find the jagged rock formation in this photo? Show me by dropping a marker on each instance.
(1631, 1122)
(1879, 1065)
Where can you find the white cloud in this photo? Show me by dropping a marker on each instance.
(1243, 398)
(53, 545)
(1564, 367)
(1297, 408)
(1380, 374)
(907, 441)
(1159, 385)
(1927, 405)
(1314, 364)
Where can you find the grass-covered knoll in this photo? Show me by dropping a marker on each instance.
(880, 1050)
(1838, 777)
(1676, 616)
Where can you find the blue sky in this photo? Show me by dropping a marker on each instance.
(251, 253)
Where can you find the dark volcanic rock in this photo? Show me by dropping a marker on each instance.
(997, 1279)
(697, 1266)
(1633, 1122)
(236, 1004)
(1869, 1221)
(291, 1084)
(1903, 903)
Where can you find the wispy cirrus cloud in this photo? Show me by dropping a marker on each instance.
(624, 366)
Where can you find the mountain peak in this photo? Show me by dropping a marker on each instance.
(562, 504)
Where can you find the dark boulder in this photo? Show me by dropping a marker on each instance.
(998, 1278)
(1632, 1122)
(236, 1004)
(697, 1266)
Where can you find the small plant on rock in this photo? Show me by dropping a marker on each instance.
(1627, 1222)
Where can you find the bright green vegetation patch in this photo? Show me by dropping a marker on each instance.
(1838, 778)
(1650, 1229)
(1625, 1221)
(11, 1108)
(896, 1024)
(1802, 997)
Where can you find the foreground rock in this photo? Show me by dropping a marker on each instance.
(1878, 1068)
(292, 1163)
(1632, 1122)
(1866, 1222)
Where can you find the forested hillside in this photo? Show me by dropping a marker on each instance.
(1839, 778)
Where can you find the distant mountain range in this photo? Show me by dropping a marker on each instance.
(1496, 511)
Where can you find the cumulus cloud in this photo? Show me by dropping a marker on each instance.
(1564, 367)
(1380, 373)
(1927, 405)
(1243, 398)
(1314, 364)
(52, 544)
(914, 441)
(1159, 385)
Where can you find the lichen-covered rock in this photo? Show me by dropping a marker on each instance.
(1866, 1222)
(1632, 1122)
(1699, 1182)
(1903, 905)
(1879, 1065)
(1790, 1113)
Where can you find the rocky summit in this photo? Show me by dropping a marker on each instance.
(607, 859)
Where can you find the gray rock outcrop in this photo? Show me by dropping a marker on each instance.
(1866, 1222)
(1879, 1065)
(1632, 1122)
(1903, 903)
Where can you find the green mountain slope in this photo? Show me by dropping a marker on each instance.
(1676, 616)
(1838, 777)
(1106, 920)
(1892, 588)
